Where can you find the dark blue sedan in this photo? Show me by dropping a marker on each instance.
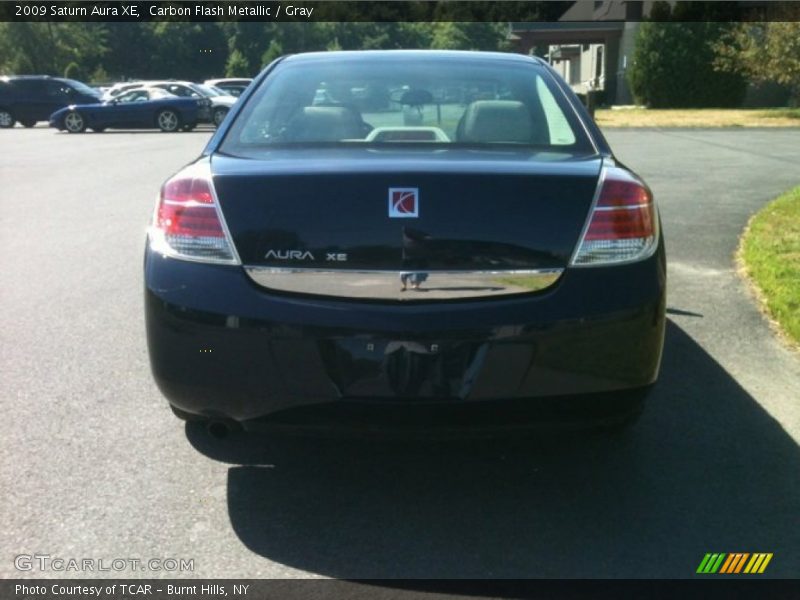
(406, 238)
(142, 108)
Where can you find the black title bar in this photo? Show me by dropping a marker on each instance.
(328, 589)
(351, 10)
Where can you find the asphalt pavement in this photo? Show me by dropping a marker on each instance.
(95, 465)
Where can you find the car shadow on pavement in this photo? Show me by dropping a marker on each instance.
(706, 469)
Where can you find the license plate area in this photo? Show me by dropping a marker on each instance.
(407, 370)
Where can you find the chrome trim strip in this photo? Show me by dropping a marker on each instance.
(221, 216)
(600, 181)
(388, 285)
(626, 207)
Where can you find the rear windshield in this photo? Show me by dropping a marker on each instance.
(413, 101)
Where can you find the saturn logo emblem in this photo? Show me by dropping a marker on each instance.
(403, 203)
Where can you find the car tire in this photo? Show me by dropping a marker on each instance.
(218, 116)
(74, 122)
(6, 119)
(28, 124)
(168, 121)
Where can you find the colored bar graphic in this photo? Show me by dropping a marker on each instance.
(765, 563)
(741, 562)
(703, 563)
(717, 563)
(711, 563)
(733, 563)
(755, 561)
(728, 564)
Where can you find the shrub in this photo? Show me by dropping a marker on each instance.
(673, 67)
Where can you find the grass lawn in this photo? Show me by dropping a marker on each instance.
(701, 117)
(770, 254)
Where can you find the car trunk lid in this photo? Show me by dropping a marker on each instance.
(389, 212)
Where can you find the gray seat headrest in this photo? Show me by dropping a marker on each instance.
(325, 124)
(496, 121)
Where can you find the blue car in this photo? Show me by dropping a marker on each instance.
(142, 108)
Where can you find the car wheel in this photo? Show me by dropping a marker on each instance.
(74, 122)
(168, 121)
(6, 119)
(28, 124)
(219, 116)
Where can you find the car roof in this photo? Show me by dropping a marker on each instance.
(228, 80)
(404, 55)
(14, 77)
(8, 78)
(148, 88)
(165, 81)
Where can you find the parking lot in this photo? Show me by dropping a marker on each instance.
(96, 466)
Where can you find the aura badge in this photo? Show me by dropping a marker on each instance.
(403, 203)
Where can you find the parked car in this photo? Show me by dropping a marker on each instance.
(33, 98)
(216, 104)
(184, 89)
(116, 89)
(140, 108)
(221, 102)
(324, 263)
(230, 85)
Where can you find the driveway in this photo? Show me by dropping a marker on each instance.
(94, 465)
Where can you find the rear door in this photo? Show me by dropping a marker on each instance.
(57, 96)
(31, 102)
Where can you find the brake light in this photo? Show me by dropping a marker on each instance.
(187, 223)
(623, 226)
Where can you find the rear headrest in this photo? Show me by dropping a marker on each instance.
(325, 124)
(496, 121)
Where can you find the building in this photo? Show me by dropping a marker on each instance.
(591, 45)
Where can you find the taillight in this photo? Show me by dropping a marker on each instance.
(187, 223)
(623, 226)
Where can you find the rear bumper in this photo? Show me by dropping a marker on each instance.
(223, 347)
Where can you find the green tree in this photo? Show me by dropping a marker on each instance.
(237, 65)
(193, 51)
(275, 50)
(469, 36)
(99, 76)
(49, 48)
(673, 67)
(763, 52)
(250, 39)
(73, 71)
